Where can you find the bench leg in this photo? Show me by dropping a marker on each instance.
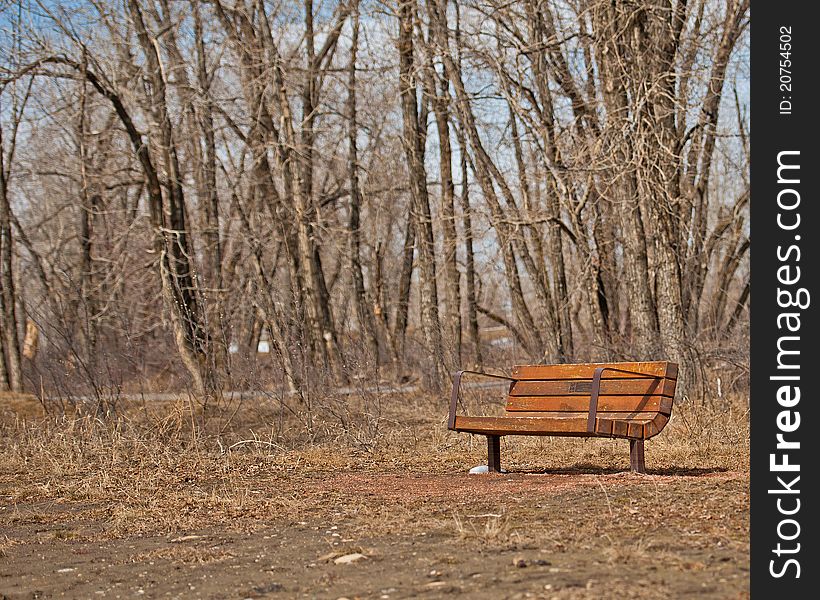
(636, 460)
(494, 453)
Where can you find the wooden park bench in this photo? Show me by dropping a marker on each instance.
(630, 400)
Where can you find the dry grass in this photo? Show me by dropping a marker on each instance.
(159, 466)
(167, 469)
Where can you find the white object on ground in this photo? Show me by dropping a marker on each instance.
(482, 469)
(349, 558)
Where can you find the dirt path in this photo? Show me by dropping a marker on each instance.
(556, 535)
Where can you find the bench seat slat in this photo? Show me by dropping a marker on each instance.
(633, 429)
(654, 427)
(587, 370)
(583, 387)
(622, 416)
(581, 403)
(567, 426)
(517, 425)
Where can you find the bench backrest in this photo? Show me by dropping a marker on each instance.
(650, 388)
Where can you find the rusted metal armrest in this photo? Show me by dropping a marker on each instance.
(451, 421)
(596, 389)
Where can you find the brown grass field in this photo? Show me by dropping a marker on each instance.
(260, 499)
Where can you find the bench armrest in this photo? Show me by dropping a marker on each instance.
(451, 420)
(596, 389)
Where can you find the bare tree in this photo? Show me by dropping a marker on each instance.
(230, 173)
(422, 221)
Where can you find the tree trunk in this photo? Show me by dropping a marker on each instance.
(367, 326)
(621, 186)
(434, 369)
(11, 376)
(469, 255)
(405, 282)
(437, 88)
(207, 187)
